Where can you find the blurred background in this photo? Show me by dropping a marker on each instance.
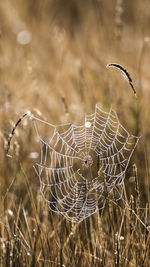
(53, 57)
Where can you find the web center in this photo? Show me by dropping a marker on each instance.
(87, 161)
(88, 164)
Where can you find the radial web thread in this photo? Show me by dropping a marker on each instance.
(82, 166)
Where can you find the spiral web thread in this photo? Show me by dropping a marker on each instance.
(82, 166)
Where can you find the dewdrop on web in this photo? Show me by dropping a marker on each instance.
(87, 124)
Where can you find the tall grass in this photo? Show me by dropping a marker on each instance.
(60, 74)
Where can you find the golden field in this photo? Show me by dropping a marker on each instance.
(53, 57)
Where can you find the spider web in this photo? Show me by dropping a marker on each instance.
(82, 166)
